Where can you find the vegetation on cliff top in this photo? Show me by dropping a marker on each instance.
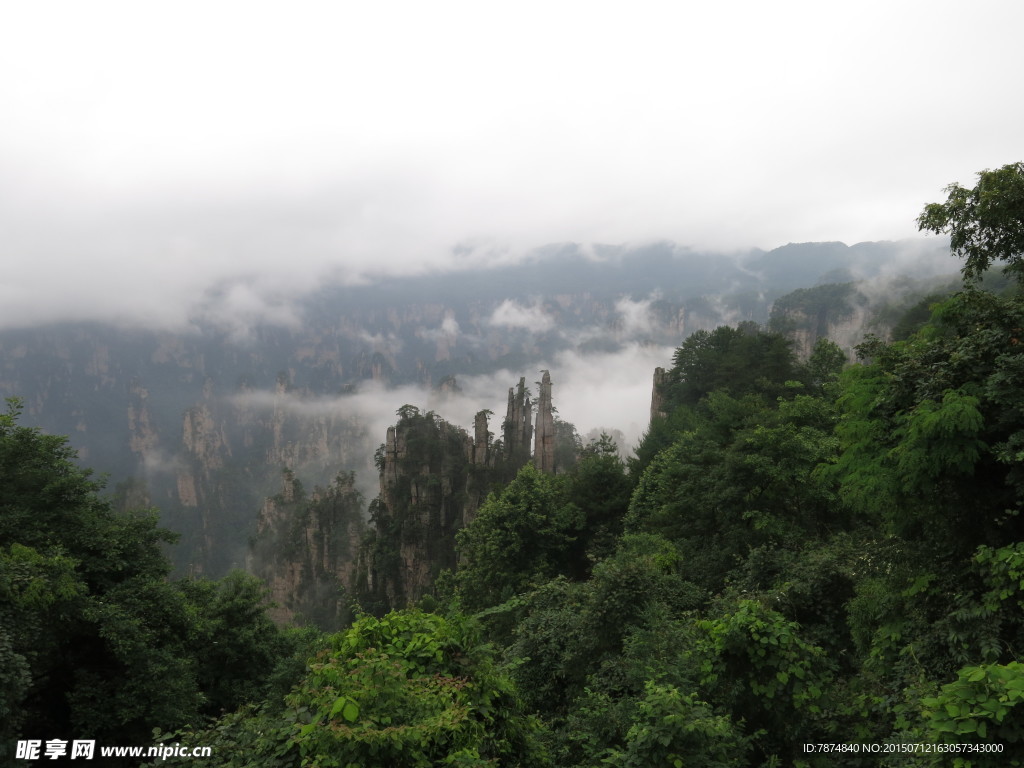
(799, 555)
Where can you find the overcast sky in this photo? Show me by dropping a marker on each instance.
(148, 149)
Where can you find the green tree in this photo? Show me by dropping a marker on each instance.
(932, 430)
(825, 363)
(677, 729)
(575, 653)
(37, 592)
(569, 630)
(234, 642)
(759, 665)
(408, 690)
(742, 480)
(741, 360)
(985, 223)
(662, 432)
(519, 538)
(97, 639)
(601, 489)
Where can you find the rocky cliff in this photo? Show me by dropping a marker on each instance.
(517, 428)
(658, 410)
(845, 312)
(544, 445)
(201, 419)
(429, 487)
(433, 478)
(305, 550)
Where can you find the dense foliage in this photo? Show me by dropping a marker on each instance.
(409, 690)
(801, 553)
(95, 641)
(985, 223)
(813, 558)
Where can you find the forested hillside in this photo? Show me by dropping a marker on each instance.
(805, 562)
(200, 420)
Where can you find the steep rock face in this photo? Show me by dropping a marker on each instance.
(517, 428)
(658, 394)
(846, 312)
(231, 451)
(807, 315)
(433, 478)
(143, 438)
(482, 456)
(429, 488)
(544, 447)
(202, 419)
(305, 550)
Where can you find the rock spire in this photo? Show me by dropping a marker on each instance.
(544, 436)
(518, 427)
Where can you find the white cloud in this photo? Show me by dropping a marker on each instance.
(366, 413)
(450, 326)
(596, 391)
(238, 308)
(608, 390)
(147, 154)
(512, 314)
(448, 330)
(157, 461)
(636, 316)
(380, 342)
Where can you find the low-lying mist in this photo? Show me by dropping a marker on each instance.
(596, 392)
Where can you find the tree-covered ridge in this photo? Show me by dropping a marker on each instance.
(800, 553)
(96, 642)
(201, 421)
(839, 562)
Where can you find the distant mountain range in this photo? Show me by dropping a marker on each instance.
(201, 423)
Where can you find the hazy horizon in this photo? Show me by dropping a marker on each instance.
(149, 154)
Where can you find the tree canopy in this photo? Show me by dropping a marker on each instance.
(813, 553)
(95, 640)
(985, 224)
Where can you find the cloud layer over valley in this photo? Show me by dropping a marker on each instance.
(150, 155)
